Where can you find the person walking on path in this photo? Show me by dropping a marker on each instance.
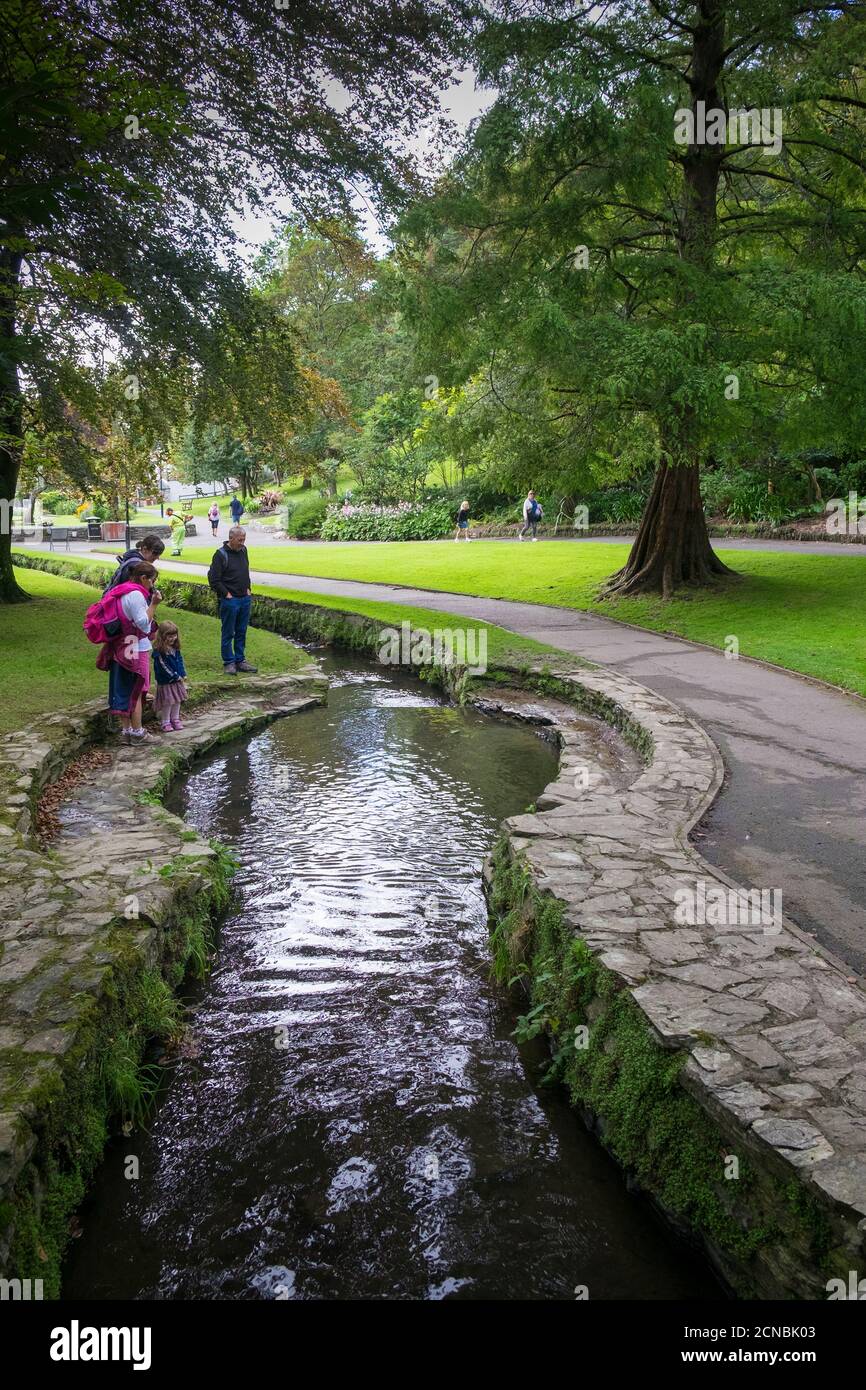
(532, 514)
(177, 523)
(146, 552)
(463, 522)
(236, 507)
(213, 517)
(126, 657)
(229, 577)
(170, 672)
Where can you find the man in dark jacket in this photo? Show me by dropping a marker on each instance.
(146, 552)
(229, 577)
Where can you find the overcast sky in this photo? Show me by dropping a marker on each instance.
(462, 102)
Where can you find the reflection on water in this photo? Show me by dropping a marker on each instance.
(356, 1121)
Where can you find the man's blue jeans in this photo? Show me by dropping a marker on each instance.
(235, 618)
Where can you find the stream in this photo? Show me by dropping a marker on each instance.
(353, 1119)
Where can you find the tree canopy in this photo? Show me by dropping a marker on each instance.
(624, 298)
(132, 138)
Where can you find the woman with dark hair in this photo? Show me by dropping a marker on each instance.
(126, 657)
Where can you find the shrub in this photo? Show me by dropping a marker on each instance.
(268, 500)
(57, 503)
(305, 521)
(620, 504)
(404, 522)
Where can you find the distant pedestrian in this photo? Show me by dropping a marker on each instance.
(463, 522)
(213, 517)
(532, 514)
(229, 577)
(177, 525)
(236, 507)
(170, 675)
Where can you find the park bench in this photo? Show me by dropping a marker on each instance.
(58, 533)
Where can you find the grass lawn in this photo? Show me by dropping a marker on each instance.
(47, 663)
(805, 612)
(29, 642)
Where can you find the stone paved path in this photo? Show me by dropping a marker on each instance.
(792, 814)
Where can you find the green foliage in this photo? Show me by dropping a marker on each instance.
(391, 455)
(599, 298)
(305, 522)
(135, 141)
(365, 523)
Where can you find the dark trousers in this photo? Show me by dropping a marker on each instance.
(235, 618)
(530, 524)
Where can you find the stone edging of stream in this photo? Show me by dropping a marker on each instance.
(96, 930)
(723, 1065)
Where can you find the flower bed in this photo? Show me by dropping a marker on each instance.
(407, 521)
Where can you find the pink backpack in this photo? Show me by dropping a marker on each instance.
(103, 620)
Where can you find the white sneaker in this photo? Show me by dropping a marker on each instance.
(535, 538)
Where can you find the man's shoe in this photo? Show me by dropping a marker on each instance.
(230, 669)
(245, 666)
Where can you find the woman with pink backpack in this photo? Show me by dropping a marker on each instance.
(123, 622)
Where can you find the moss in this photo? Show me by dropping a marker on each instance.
(618, 1075)
(104, 1080)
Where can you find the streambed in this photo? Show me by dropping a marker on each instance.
(353, 1118)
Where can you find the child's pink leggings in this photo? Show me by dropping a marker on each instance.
(171, 714)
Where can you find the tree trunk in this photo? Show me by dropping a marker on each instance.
(10, 421)
(672, 546)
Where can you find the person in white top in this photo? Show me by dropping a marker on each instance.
(532, 514)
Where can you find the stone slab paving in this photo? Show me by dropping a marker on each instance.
(66, 911)
(774, 1024)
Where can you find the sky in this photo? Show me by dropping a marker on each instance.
(462, 102)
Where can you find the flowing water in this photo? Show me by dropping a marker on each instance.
(354, 1119)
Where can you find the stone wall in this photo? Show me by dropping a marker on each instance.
(95, 930)
(722, 1062)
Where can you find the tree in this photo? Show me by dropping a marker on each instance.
(627, 296)
(391, 455)
(127, 146)
(340, 303)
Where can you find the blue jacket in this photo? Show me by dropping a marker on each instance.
(168, 667)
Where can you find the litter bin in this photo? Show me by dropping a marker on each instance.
(113, 530)
(94, 528)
